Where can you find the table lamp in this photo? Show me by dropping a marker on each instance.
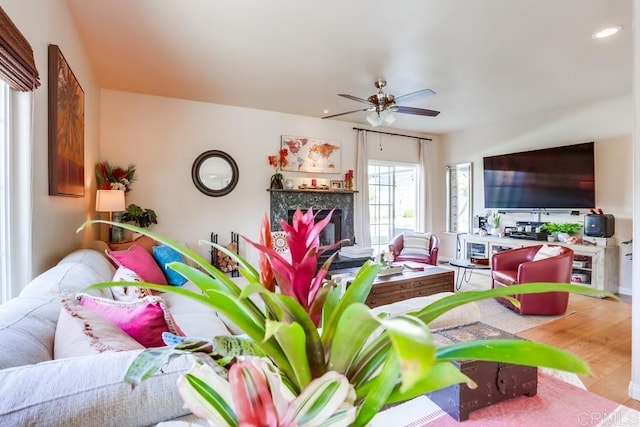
(112, 201)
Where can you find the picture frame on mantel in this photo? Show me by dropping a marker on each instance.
(305, 154)
(66, 128)
(336, 185)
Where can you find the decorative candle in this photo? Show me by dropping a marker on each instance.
(313, 182)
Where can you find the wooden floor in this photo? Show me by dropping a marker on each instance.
(599, 332)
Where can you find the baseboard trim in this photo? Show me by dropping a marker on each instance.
(624, 290)
(634, 390)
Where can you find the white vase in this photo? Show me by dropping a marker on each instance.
(495, 231)
(288, 184)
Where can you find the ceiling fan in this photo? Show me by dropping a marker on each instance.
(383, 105)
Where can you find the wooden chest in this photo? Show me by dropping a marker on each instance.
(496, 381)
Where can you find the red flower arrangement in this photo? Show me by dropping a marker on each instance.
(115, 178)
(280, 160)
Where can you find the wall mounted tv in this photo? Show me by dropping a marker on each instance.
(556, 178)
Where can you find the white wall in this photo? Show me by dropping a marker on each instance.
(55, 219)
(163, 136)
(607, 122)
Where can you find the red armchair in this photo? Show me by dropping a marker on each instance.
(396, 245)
(517, 266)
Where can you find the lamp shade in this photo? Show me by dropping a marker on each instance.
(109, 201)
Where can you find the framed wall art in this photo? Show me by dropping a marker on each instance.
(311, 154)
(66, 128)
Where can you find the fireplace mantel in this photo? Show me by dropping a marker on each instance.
(310, 190)
(281, 201)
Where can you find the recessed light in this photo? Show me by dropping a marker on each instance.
(325, 111)
(606, 32)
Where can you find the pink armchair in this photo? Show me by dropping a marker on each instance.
(397, 244)
(516, 266)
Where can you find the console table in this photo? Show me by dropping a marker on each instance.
(593, 266)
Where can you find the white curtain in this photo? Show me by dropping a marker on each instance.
(362, 226)
(424, 193)
(16, 204)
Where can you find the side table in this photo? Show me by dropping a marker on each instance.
(467, 268)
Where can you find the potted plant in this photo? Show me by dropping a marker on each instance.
(561, 230)
(142, 218)
(290, 369)
(494, 222)
(278, 162)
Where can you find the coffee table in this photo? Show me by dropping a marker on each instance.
(467, 270)
(407, 284)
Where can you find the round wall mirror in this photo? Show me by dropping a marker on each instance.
(215, 173)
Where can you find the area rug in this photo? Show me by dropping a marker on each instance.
(557, 403)
(496, 315)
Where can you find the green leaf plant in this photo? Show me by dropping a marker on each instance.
(318, 357)
(570, 228)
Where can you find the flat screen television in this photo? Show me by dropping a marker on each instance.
(550, 178)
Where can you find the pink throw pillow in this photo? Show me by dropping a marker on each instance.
(82, 332)
(144, 320)
(138, 259)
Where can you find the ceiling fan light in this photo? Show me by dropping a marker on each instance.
(388, 117)
(374, 118)
(606, 32)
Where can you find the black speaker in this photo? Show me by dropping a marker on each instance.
(603, 225)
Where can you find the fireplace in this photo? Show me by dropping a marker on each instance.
(332, 233)
(285, 202)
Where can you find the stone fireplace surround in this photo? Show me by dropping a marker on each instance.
(281, 201)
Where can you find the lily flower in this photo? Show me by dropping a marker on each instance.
(255, 396)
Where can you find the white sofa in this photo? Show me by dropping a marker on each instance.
(37, 390)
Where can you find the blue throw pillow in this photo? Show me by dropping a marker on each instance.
(164, 255)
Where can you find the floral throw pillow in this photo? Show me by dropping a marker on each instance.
(128, 293)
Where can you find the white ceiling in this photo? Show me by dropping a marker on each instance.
(487, 60)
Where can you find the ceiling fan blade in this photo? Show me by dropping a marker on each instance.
(416, 93)
(418, 111)
(355, 98)
(347, 112)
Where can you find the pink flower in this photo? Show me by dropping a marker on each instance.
(298, 278)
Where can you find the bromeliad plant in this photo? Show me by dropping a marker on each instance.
(287, 371)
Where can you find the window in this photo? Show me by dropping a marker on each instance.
(459, 193)
(4, 205)
(393, 201)
(16, 130)
(17, 71)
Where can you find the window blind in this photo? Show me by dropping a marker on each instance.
(17, 66)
